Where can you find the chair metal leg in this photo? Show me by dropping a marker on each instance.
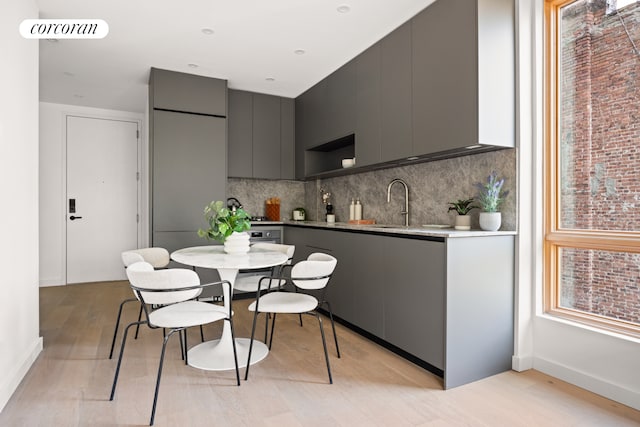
(235, 353)
(300, 316)
(139, 319)
(181, 345)
(201, 333)
(333, 326)
(273, 327)
(324, 345)
(124, 340)
(155, 395)
(253, 332)
(115, 331)
(186, 348)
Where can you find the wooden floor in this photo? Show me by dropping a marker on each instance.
(70, 382)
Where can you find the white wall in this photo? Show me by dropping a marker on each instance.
(604, 363)
(52, 185)
(20, 343)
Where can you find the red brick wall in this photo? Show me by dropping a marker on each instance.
(600, 154)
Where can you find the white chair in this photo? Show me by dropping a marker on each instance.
(249, 281)
(158, 258)
(172, 291)
(312, 274)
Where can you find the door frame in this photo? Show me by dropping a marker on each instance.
(143, 182)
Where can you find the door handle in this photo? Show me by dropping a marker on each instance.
(72, 217)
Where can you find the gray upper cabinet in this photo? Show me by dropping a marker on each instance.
(341, 103)
(395, 93)
(463, 75)
(261, 136)
(368, 106)
(171, 90)
(316, 114)
(266, 136)
(240, 133)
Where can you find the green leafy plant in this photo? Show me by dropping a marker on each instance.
(462, 207)
(223, 221)
(490, 194)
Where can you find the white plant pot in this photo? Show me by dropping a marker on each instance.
(463, 222)
(237, 243)
(490, 221)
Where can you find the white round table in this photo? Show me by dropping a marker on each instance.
(217, 355)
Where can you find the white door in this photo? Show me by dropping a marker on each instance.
(102, 197)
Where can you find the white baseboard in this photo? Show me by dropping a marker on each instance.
(521, 363)
(606, 389)
(46, 282)
(12, 380)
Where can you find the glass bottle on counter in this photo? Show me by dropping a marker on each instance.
(352, 210)
(358, 210)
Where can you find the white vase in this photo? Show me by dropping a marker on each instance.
(463, 222)
(490, 221)
(237, 243)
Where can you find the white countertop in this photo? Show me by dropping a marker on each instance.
(412, 230)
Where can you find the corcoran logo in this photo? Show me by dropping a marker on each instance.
(64, 29)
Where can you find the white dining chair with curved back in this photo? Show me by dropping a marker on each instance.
(167, 298)
(312, 274)
(158, 258)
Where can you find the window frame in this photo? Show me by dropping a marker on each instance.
(556, 238)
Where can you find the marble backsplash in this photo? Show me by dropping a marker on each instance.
(431, 186)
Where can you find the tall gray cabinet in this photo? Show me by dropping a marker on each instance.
(188, 152)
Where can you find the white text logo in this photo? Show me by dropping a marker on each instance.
(64, 29)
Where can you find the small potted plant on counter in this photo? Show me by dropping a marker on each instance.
(462, 208)
(490, 197)
(227, 226)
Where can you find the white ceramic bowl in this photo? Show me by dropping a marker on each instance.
(347, 163)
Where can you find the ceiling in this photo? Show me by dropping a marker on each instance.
(253, 44)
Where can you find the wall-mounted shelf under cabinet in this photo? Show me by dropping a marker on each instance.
(328, 157)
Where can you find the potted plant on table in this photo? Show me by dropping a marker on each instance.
(490, 197)
(462, 208)
(227, 226)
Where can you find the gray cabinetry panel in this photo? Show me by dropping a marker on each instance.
(266, 136)
(368, 107)
(316, 115)
(189, 168)
(480, 275)
(176, 91)
(287, 138)
(395, 91)
(368, 282)
(341, 108)
(414, 297)
(240, 123)
(445, 76)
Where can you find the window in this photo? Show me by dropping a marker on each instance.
(592, 155)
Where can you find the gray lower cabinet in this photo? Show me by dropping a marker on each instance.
(261, 136)
(447, 302)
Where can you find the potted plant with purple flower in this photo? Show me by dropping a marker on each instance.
(490, 197)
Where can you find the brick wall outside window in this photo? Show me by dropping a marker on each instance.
(599, 133)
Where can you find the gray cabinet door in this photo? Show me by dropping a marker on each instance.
(316, 115)
(188, 169)
(287, 138)
(414, 289)
(368, 106)
(395, 91)
(445, 76)
(176, 91)
(368, 282)
(240, 123)
(341, 106)
(266, 136)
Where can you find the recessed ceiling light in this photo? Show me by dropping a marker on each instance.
(299, 51)
(270, 79)
(207, 31)
(344, 8)
(413, 158)
(192, 65)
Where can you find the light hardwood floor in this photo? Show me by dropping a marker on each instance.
(70, 382)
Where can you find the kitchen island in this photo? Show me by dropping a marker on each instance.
(441, 298)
